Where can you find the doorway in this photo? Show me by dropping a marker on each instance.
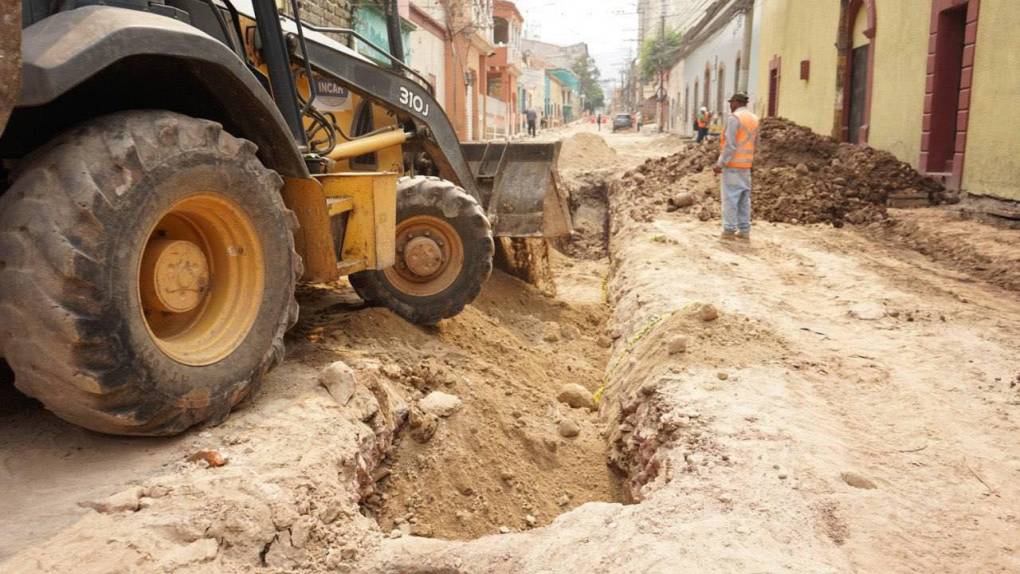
(697, 88)
(773, 92)
(855, 70)
(708, 89)
(684, 121)
(858, 93)
(720, 95)
(949, 46)
(469, 110)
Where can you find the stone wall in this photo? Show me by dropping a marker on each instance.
(334, 13)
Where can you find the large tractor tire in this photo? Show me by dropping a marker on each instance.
(444, 253)
(147, 273)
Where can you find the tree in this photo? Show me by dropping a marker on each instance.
(588, 74)
(659, 54)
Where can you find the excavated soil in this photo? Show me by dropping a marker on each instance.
(500, 462)
(586, 151)
(504, 462)
(800, 177)
(589, 210)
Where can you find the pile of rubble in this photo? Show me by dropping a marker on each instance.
(799, 177)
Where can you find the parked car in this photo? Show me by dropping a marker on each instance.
(623, 122)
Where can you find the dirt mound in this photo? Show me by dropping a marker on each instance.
(584, 151)
(799, 177)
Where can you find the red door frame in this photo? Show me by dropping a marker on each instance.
(955, 178)
(853, 8)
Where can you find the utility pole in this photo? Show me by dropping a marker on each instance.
(623, 91)
(661, 91)
(662, 19)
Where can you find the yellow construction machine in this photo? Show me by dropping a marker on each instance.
(173, 168)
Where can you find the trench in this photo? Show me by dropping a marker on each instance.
(513, 457)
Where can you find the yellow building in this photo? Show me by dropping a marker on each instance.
(555, 95)
(931, 81)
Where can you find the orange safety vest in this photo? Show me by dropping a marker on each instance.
(746, 133)
(701, 122)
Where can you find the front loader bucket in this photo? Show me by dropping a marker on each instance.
(10, 57)
(520, 192)
(519, 188)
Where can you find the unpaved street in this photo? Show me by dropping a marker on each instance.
(847, 404)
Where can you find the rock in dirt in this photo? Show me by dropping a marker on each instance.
(858, 481)
(867, 311)
(576, 396)
(722, 375)
(423, 425)
(568, 428)
(695, 459)
(125, 501)
(677, 344)
(708, 313)
(340, 381)
(681, 201)
(441, 404)
(199, 551)
(211, 458)
(392, 370)
(551, 332)
(363, 405)
(530, 520)
(569, 332)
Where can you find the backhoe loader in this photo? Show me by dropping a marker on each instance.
(171, 169)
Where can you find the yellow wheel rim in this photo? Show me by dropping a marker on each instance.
(430, 256)
(201, 279)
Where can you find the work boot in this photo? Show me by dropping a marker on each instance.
(744, 235)
(728, 235)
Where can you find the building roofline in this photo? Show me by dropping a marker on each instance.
(423, 19)
(510, 6)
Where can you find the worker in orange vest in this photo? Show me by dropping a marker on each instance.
(739, 138)
(701, 122)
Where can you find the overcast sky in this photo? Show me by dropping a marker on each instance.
(608, 26)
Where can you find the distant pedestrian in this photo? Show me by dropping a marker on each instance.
(739, 137)
(637, 121)
(598, 120)
(532, 120)
(702, 124)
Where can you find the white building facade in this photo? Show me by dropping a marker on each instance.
(717, 59)
(429, 45)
